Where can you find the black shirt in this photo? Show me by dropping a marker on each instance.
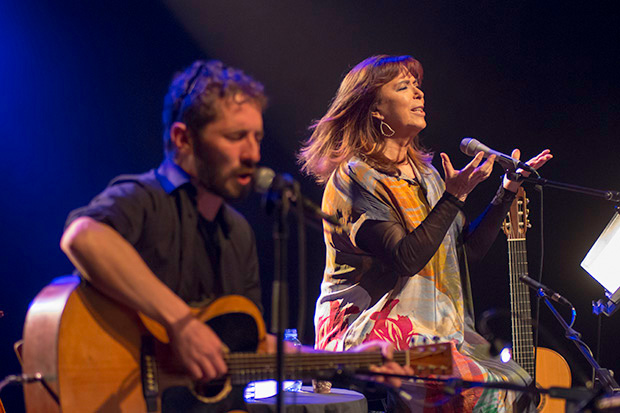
(157, 213)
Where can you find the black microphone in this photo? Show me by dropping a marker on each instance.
(266, 180)
(548, 291)
(471, 146)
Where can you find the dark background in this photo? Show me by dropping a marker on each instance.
(82, 85)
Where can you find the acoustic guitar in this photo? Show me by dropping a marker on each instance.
(96, 355)
(547, 367)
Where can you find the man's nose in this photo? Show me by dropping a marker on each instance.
(251, 149)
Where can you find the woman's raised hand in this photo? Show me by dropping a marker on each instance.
(536, 162)
(461, 182)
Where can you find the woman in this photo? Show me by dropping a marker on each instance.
(396, 268)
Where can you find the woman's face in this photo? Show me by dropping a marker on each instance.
(400, 104)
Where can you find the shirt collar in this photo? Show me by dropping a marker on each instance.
(171, 176)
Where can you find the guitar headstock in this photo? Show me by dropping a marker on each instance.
(517, 222)
(431, 359)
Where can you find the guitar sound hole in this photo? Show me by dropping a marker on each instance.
(237, 330)
(539, 399)
(210, 389)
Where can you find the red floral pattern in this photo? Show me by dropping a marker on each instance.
(332, 326)
(397, 331)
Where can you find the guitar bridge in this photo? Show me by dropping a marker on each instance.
(148, 370)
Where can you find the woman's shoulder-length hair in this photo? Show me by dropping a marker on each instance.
(349, 129)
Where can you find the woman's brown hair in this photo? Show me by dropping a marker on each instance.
(348, 128)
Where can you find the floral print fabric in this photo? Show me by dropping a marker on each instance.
(362, 299)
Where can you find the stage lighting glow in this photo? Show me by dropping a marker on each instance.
(505, 355)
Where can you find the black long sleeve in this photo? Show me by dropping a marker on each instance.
(480, 234)
(409, 253)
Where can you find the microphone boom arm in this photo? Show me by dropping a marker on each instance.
(609, 195)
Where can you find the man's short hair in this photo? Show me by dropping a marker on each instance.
(194, 92)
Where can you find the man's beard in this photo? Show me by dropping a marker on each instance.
(225, 186)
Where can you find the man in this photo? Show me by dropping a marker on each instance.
(160, 242)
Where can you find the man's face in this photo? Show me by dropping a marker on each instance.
(227, 150)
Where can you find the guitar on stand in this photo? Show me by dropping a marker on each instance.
(545, 366)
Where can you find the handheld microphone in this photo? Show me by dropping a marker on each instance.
(548, 291)
(471, 146)
(266, 180)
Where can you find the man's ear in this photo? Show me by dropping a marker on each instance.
(180, 138)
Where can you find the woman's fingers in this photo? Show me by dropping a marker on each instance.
(448, 169)
(473, 164)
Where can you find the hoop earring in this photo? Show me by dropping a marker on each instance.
(389, 128)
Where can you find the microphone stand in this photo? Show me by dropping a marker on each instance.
(603, 375)
(279, 300)
(609, 195)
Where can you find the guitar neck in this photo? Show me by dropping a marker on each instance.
(522, 343)
(244, 367)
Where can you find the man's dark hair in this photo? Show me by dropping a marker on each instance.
(195, 91)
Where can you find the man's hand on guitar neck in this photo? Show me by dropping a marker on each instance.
(387, 349)
(389, 367)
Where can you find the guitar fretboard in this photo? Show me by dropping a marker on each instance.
(244, 367)
(523, 345)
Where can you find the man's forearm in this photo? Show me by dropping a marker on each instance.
(114, 267)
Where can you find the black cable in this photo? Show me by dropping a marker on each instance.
(540, 268)
(302, 286)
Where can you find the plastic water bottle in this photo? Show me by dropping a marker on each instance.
(267, 388)
(290, 335)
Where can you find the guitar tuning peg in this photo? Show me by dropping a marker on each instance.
(529, 225)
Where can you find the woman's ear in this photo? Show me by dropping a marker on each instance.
(375, 114)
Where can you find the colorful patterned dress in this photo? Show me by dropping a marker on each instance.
(363, 299)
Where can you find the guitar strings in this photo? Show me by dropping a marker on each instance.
(523, 351)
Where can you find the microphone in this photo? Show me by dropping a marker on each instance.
(266, 180)
(471, 146)
(546, 290)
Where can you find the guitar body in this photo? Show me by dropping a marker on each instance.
(551, 371)
(94, 353)
(549, 368)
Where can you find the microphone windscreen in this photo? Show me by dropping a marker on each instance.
(470, 146)
(263, 178)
